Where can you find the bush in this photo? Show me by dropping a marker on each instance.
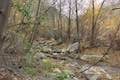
(30, 71)
(47, 65)
(63, 75)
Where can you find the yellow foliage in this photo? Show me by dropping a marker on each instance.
(110, 22)
(105, 20)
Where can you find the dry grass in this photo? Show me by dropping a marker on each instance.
(114, 56)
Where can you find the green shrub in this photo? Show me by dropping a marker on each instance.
(47, 65)
(63, 75)
(30, 71)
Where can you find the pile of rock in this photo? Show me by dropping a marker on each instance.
(95, 73)
(6, 74)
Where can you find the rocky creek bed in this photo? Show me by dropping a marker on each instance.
(72, 61)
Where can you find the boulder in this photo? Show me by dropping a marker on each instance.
(39, 56)
(55, 54)
(13, 42)
(73, 47)
(46, 49)
(95, 73)
(92, 58)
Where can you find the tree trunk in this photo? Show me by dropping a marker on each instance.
(69, 22)
(36, 24)
(4, 11)
(60, 18)
(93, 25)
(94, 22)
(77, 25)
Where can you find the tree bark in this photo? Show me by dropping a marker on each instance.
(69, 21)
(60, 18)
(4, 11)
(93, 24)
(77, 25)
(36, 24)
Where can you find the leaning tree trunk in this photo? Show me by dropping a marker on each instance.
(4, 10)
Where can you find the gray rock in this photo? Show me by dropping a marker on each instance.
(39, 56)
(73, 47)
(55, 54)
(13, 42)
(92, 58)
(75, 78)
(47, 49)
(55, 50)
(44, 78)
(92, 77)
(95, 72)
